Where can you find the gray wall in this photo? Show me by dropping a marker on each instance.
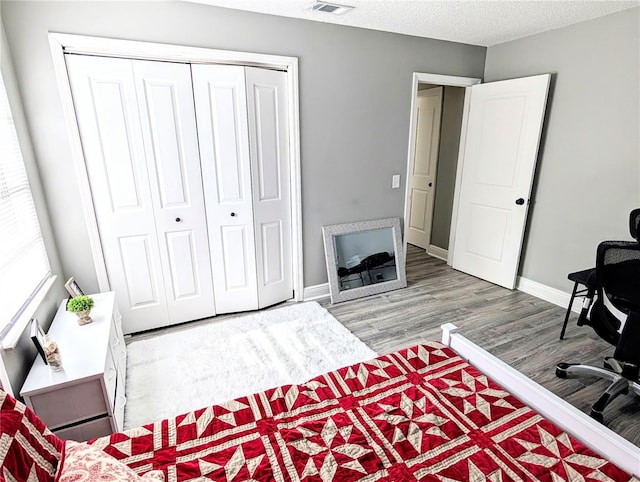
(452, 105)
(355, 94)
(18, 361)
(588, 175)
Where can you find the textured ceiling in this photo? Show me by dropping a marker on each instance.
(477, 22)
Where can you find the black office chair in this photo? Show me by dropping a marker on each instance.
(615, 317)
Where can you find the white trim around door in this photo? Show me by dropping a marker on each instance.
(66, 43)
(445, 80)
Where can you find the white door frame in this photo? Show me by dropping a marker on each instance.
(60, 44)
(436, 79)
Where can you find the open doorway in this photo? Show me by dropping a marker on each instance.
(434, 147)
(498, 143)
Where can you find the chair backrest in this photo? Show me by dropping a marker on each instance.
(617, 279)
(618, 273)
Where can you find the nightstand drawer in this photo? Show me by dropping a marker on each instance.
(86, 431)
(70, 404)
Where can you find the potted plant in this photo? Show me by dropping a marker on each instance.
(81, 306)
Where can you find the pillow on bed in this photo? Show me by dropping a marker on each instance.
(28, 450)
(84, 462)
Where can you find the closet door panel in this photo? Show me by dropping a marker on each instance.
(117, 154)
(266, 141)
(272, 255)
(269, 143)
(163, 117)
(105, 102)
(235, 250)
(183, 264)
(139, 270)
(165, 99)
(221, 114)
(229, 154)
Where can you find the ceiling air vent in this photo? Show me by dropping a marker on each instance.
(331, 8)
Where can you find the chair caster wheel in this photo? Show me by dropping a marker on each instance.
(561, 370)
(597, 416)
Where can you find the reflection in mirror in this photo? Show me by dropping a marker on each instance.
(364, 258)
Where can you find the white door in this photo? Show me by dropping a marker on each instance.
(105, 104)
(165, 100)
(425, 163)
(137, 172)
(500, 153)
(242, 114)
(269, 146)
(221, 111)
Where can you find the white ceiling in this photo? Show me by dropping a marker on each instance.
(477, 22)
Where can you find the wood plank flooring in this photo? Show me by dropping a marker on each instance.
(520, 329)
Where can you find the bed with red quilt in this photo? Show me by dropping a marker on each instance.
(422, 413)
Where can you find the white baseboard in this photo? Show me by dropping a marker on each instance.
(316, 292)
(544, 292)
(438, 252)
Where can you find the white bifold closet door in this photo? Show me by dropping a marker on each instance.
(138, 131)
(267, 105)
(242, 114)
(189, 174)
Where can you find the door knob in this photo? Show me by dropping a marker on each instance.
(519, 201)
(178, 220)
(233, 214)
(430, 184)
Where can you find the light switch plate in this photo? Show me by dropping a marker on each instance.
(395, 181)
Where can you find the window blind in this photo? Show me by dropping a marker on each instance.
(24, 266)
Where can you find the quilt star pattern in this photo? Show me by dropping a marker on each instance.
(421, 413)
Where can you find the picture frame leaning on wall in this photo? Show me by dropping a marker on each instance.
(37, 336)
(72, 287)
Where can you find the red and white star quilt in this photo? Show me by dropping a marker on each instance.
(421, 413)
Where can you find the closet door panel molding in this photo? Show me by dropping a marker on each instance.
(264, 100)
(236, 248)
(228, 143)
(272, 255)
(140, 272)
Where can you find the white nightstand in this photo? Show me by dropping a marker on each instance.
(86, 398)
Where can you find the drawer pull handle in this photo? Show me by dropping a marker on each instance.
(122, 400)
(115, 342)
(112, 373)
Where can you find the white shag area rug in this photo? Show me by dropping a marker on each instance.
(175, 373)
